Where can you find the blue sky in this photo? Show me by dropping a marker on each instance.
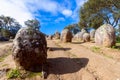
(53, 15)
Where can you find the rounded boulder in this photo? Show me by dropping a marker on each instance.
(105, 35)
(29, 48)
(66, 36)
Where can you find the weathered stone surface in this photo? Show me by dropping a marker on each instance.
(29, 48)
(50, 37)
(79, 35)
(86, 37)
(66, 36)
(105, 35)
(92, 34)
(76, 36)
(83, 30)
(57, 35)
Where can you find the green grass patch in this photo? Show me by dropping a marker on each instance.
(32, 74)
(1, 59)
(17, 74)
(13, 73)
(4, 65)
(114, 47)
(118, 39)
(95, 49)
(99, 51)
(108, 56)
(117, 46)
(5, 55)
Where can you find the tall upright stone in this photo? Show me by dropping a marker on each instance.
(66, 36)
(79, 35)
(29, 48)
(86, 37)
(57, 35)
(50, 37)
(105, 35)
(92, 34)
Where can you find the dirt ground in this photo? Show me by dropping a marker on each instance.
(4, 46)
(74, 61)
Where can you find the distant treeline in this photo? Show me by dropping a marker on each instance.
(9, 27)
(95, 13)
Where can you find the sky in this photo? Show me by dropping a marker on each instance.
(53, 15)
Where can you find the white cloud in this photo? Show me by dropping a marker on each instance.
(22, 10)
(59, 19)
(67, 12)
(79, 3)
(45, 5)
(16, 10)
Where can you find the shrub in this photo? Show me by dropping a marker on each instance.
(14, 73)
(118, 39)
(6, 33)
(95, 49)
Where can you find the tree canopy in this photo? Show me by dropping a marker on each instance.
(74, 28)
(8, 26)
(96, 12)
(35, 24)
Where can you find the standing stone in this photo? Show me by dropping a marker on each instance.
(76, 36)
(105, 35)
(50, 37)
(66, 36)
(92, 34)
(79, 35)
(57, 35)
(86, 37)
(29, 49)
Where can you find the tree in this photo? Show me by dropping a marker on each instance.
(8, 26)
(96, 12)
(73, 28)
(6, 33)
(35, 24)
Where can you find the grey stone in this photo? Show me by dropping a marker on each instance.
(29, 48)
(92, 34)
(66, 36)
(57, 35)
(105, 35)
(79, 35)
(86, 37)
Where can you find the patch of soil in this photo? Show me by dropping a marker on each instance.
(73, 61)
(102, 67)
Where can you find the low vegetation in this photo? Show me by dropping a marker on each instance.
(3, 57)
(8, 52)
(32, 74)
(96, 49)
(16, 73)
(117, 46)
(99, 51)
(4, 65)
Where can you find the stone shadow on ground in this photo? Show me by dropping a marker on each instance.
(63, 65)
(117, 47)
(77, 42)
(58, 48)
